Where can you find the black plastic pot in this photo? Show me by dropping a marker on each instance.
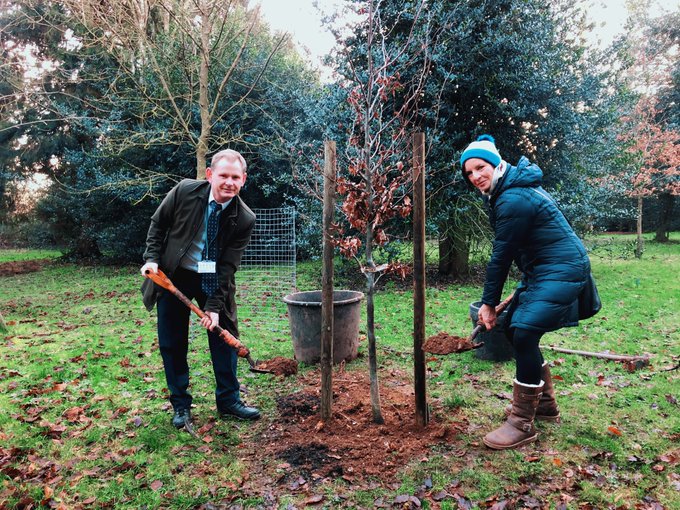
(496, 346)
(304, 316)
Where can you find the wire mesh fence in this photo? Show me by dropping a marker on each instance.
(267, 271)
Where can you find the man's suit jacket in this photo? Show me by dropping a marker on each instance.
(174, 225)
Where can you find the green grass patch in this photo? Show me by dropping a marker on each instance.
(13, 255)
(85, 410)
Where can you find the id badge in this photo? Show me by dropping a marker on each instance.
(206, 266)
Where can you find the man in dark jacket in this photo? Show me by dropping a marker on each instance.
(530, 230)
(197, 237)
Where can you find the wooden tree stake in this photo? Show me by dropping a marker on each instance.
(422, 416)
(327, 282)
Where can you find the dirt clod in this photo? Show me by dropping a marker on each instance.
(279, 366)
(443, 343)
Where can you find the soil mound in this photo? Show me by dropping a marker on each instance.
(298, 405)
(443, 343)
(279, 366)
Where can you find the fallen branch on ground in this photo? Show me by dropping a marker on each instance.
(632, 363)
(603, 355)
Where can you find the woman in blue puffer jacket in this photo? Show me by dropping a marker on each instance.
(530, 230)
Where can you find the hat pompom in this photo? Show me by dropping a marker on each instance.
(486, 137)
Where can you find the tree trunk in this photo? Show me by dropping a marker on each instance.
(639, 248)
(203, 104)
(370, 265)
(3, 326)
(370, 317)
(454, 253)
(372, 351)
(4, 203)
(667, 201)
(86, 248)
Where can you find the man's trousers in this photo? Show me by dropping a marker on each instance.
(173, 340)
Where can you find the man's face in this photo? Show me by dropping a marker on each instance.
(480, 173)
(226, 179)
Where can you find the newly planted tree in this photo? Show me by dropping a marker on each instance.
(384, 108)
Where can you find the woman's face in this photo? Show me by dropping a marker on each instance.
(480, 173)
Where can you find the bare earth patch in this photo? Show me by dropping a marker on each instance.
(23, 266)
(298, 450)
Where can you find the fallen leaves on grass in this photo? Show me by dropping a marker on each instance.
(670, 457)
(76, 415)
(314, 500)
(406, 498)
(614, 430)
(53, 430)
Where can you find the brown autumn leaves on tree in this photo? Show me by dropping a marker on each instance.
(181, 55)
(376, 186)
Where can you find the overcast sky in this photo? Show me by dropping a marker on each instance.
(303, 20)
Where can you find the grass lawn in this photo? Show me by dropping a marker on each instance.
(86, 420)
(24, 254)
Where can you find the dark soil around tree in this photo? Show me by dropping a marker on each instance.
(23, 266)
(299, 451)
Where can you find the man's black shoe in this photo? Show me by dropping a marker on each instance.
(240, 411)
(181, 417)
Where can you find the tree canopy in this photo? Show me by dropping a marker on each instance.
(131, 104)
(114, 102)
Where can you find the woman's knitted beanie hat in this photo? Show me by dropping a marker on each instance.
(483, 148)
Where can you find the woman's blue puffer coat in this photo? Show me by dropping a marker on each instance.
(531, 231)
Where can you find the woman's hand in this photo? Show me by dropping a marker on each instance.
(487, 316)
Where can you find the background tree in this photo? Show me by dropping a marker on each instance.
(128, 116)
(654, 165)
(666, 31)
(520, 71)
(649, 132)
(34, 69)
(178, 59)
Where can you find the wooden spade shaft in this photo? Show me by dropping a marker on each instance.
(163, 281)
